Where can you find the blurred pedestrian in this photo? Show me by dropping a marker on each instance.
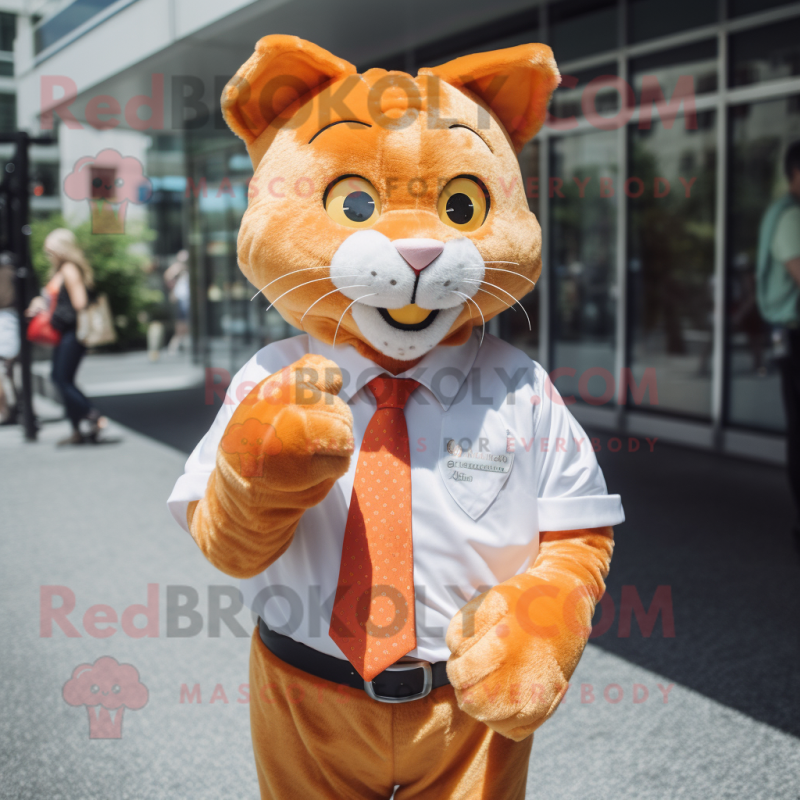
(778, 294)
(153, 317)
(177, 279)
(71, 282)
(9, 340)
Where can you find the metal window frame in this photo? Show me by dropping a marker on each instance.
(718, 361)
(545, 341)
(622, 355)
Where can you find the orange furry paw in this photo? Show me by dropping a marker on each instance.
(291, 429)
(514, 649)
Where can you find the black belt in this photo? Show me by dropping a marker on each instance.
(399, 683)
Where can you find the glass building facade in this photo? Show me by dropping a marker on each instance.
(663, 150)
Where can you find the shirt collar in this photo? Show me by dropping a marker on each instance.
(442, 371)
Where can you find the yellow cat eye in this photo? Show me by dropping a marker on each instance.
(353, 201)
(463, 204)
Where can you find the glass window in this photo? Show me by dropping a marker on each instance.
(581, 28)
(6, 68)
(8, 31)
(738, 8)
(231, 327)
(649, 19)
(8, 113)
(513, 324)
(45, 179)
(696, 63)
(430, 57)
(759, 135)
(509, 31)
(583, 247)
(62, 24)
(568, 97)
(765, 54)
(671, 192)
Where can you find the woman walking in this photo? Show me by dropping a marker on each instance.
(71, 281)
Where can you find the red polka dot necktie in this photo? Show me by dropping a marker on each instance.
(373, 612)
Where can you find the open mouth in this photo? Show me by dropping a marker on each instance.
(409, 318)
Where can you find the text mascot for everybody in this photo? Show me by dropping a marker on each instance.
(418, 521)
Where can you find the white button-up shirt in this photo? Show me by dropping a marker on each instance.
(496, 457)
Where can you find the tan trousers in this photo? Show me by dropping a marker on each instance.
(316, 740)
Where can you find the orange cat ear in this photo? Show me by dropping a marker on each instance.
(516, 84)
(281, 69)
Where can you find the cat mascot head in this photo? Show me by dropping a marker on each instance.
(386, 211)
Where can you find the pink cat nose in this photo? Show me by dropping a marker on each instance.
(419, 253)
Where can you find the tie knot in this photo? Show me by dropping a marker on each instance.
(392, 392)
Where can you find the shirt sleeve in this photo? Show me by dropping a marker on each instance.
(200, 464)
(786, 239)
(571, 488)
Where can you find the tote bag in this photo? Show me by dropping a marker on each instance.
(95, 324)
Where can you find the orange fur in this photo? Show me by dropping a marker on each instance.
(249, 512)
(517, 93)
(516, 646)
(528, 632)
(292, 174)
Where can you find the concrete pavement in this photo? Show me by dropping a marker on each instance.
(131, 373)
(93, 520)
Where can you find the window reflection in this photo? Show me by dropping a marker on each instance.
(566, 107)
(581, 28)
(8, 31)
(232, 325)
(765, 54)
(508, 31)
(649, 19)
(671, 261)
(8, 113)
(583, 173)
(759, 136)
(513, 324)
(738, 8)
(671, 69)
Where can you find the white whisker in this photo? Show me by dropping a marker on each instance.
(335, 333)
(507, 304)
(300, 286)
(500, 289)
(515, 263)
(509, 271)
(467, 297)
(354, 286)
(471, 315)
(294, 272)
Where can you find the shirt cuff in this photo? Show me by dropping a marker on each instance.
(189, 487)
(576, 513)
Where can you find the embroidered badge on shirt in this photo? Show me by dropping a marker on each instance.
(480, 462)
(474, 470)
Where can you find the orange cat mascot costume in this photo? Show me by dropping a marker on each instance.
(418, 521)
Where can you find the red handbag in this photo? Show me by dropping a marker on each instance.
(40, 331)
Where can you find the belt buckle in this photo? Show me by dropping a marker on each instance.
(427, 685)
